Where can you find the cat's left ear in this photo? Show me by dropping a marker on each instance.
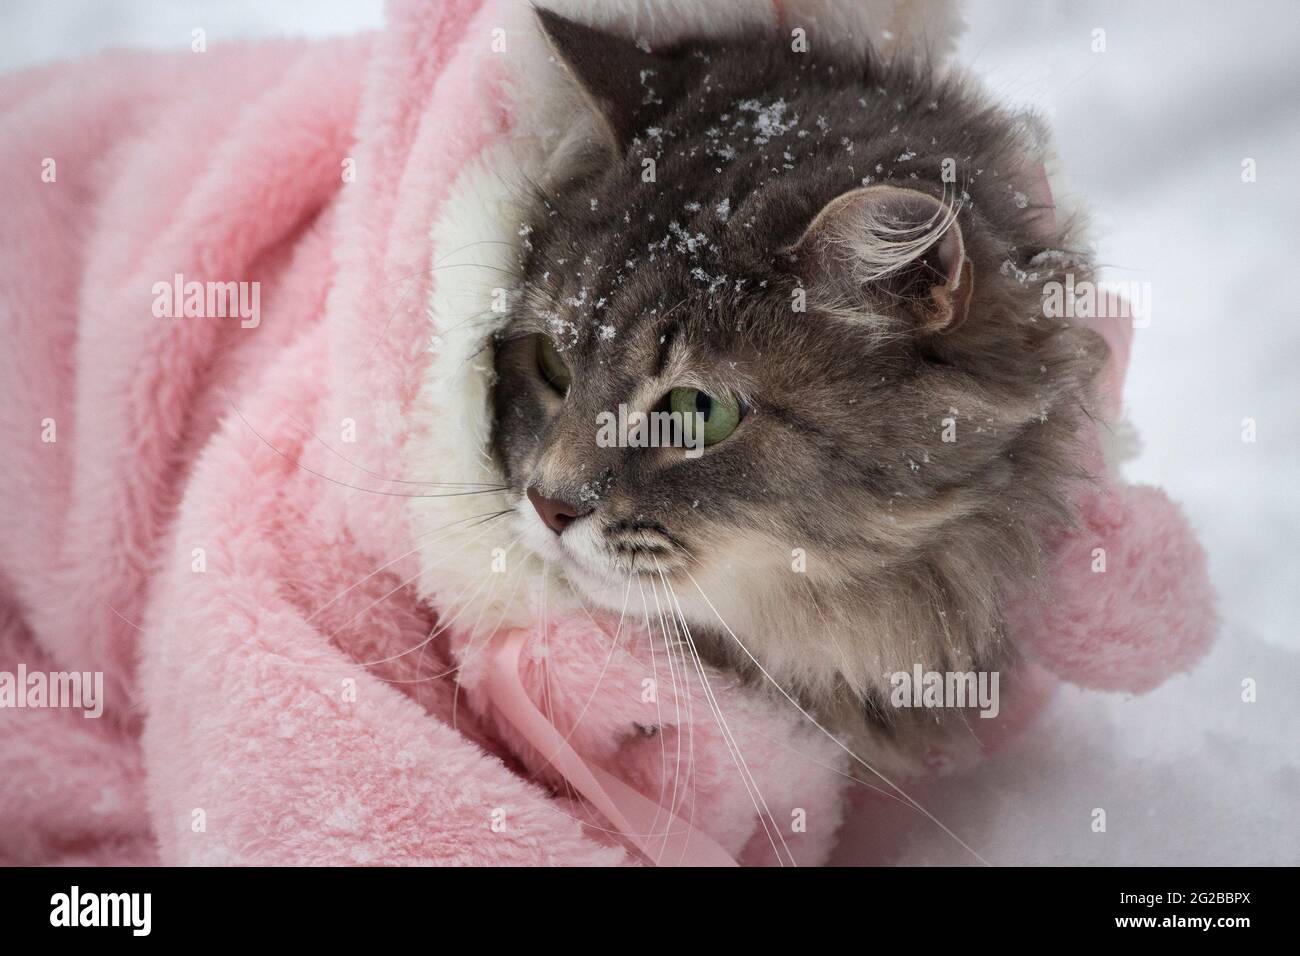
(626, 86)
(903, 242)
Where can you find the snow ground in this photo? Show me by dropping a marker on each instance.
(1152, 134)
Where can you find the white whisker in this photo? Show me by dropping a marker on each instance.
(670, 645)
(441, 626)
(765, 817)
(608, 658)
(677, 706)
(388, 564)
(402, 584)
(930, 816)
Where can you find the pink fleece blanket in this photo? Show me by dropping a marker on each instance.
(233, 518)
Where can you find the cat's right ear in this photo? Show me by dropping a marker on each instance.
(626, 86)
(903, 242)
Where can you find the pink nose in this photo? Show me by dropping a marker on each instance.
(556, 514)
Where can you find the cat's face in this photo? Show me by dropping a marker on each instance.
(829, 453)
(885, 416)
(803, 448)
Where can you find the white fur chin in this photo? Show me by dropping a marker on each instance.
(484, 574)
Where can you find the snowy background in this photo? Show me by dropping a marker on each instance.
(1152, 133)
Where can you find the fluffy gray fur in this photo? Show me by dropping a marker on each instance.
(911, 541)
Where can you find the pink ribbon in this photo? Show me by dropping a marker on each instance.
(636, 818)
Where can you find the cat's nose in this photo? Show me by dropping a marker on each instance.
(556, 513)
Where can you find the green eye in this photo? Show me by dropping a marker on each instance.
(721, 415)
(552, 366)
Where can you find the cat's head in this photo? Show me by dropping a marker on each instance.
(771, 240)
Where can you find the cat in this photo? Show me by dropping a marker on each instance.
(835, 262)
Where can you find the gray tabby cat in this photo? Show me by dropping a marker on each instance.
(767, 237)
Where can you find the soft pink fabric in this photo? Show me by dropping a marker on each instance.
(1128, 600)
(242, 725)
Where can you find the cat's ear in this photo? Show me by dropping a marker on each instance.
(625, 85)
(902, 242)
